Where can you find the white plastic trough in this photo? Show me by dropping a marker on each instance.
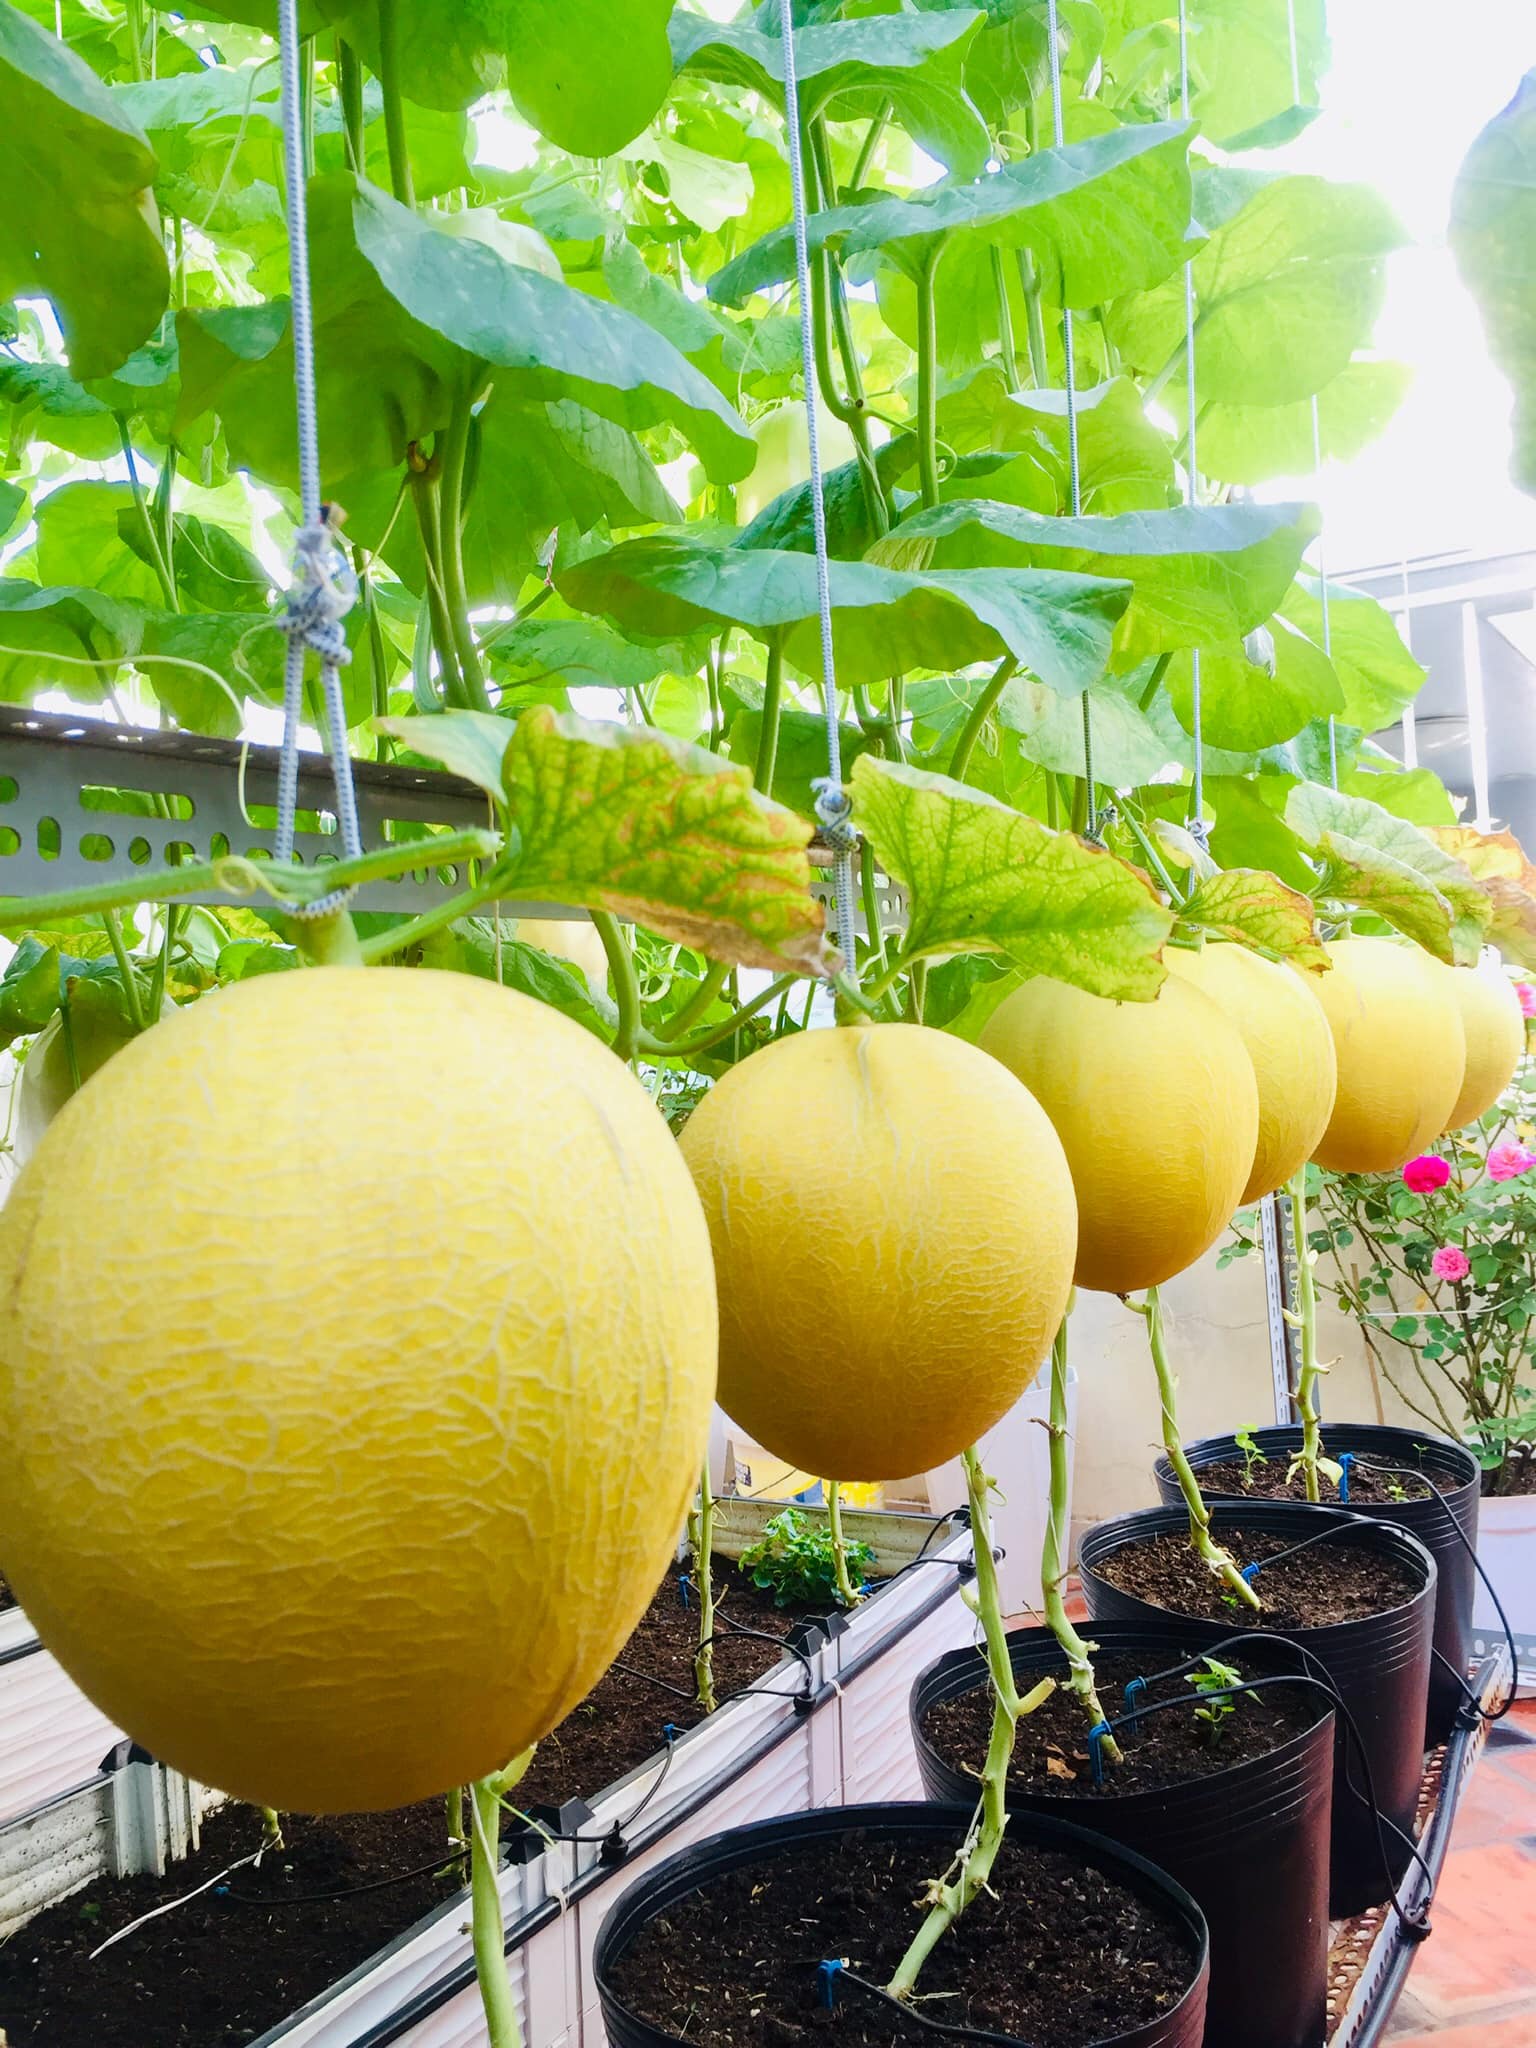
(51, 1738)
(823, 1736)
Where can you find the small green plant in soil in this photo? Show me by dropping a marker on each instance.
(796, 1560)
(1214, 1685)
(1252, 1455)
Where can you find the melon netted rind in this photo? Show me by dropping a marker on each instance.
(1494, 1025)
(357, 1352)
(894, 1231)
(1158, 1111)
(1401, 1051)
(1286, 1036)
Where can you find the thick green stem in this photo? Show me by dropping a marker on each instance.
(981, 711)
(1053, 1559)
(453, 1811)
(349, 77)
(165, 492)
(487, 1928)
(1006, 345)
(328, 941)
(705, 1041)
(394, 104)
(236, 875)
(696, 1004)
(701, 1532)
(768, 737)
(829, 316)
(424, 499)
(157, 560)
(131, 996)
(451, 500)
(870, 144)
(626, 983)
(967, 1875)
(401, 937)
(135, 21)
(1306, 1302)
(928, 380)
(848, 1594)
(1220, 1560)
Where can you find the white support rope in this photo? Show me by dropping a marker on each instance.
(834, 810)
(1074, 457)
(324, 586)
(1197, 825)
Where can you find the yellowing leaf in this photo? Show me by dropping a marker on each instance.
(1498, 864)
(984, 877)
(1260, 911)
(1391, 868)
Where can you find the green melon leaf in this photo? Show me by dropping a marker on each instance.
(1103, 217)
(983, 877)
(1198, 573)
(78, 222)
(1250, 444)
(1392, 868)
(852, 69)
(1242, 706)
(1493, 234)
(1377, 674)
(885, 621)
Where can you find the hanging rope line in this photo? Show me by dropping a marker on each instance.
(1197, 826)
(834, 810)
(1074, 458)
(324, 587)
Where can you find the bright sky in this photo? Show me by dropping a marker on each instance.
(1412, 83)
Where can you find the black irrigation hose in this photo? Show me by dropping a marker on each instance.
(613, 1840)
(910, 2012)
(351, 1891)
(1341, 1528)
(1472, 1703)
(1417, 1928)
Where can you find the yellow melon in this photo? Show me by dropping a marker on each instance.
(357, 1355)
(1157, 1108)
(1494, 1025)
(1286, 1035)
(1401, 1051)
(894, 1231)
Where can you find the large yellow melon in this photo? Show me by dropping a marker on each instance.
(1494, 1025)
(1401, 1050)
(1286, 1036)
(357, 1352)
(1157, 1108)
(894, 1231)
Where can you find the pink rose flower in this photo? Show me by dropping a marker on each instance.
(1509, 1160)
(1426, 1173)
(1450, 1263)
(1527, 998)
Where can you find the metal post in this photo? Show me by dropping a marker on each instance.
(1279, 1296)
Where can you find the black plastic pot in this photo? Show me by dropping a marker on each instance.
(1451, 1468)
(1380, 1666)
(692, 1870)
(1250, 1843)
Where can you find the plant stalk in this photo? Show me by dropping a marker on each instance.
(488, 1930)
(400, 176)
(848, 1594)
(1220, 1560)
(131, 997)
(701, 1534)
(773, 701)
(1007, 348)
(1053, 1560)
(349, 76)
(453, 1809)
(424, 499)
(981, 711)
(950, 1895)
(451, 527)
(1306, 1379)
(626, 983)
(927, 380)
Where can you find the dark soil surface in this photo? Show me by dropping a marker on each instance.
(1169, 1748)
(1056, 1953)
(223, 1968)
(1518, 1476)
(7, 1597)
(1336, 1580)
(1267, 1480)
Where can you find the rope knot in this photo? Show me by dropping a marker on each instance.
(1200, 832)
(323, 591)
(834, 814)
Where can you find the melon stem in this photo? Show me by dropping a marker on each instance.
(1053, 1562)
(328, 941)
(488, 1931)
(949, 1895)
(848, 1594)
(1306, 1379)
(1220, 1560)
(701, 1539)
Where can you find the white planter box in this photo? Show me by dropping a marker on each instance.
(51, 1737)
(1506, 1549)
(758, 1756)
